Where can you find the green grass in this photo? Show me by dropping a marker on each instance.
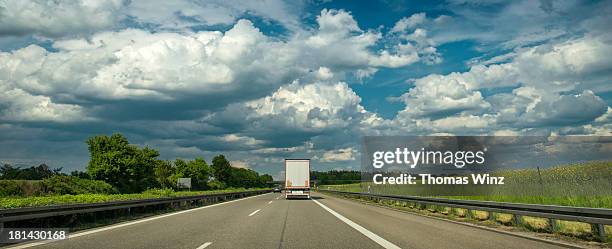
(581, 185)
(20, 202)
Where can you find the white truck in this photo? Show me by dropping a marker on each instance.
(297, 178)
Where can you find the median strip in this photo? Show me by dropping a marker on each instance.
(379, 240)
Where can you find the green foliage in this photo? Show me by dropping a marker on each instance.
(197, 169)
(55, 185)
(80, 174)
(265, 180)
(222, 170)
(336, 177)
(164, 172)
(8, 172)
(62, 185)
(162, 192)
(214, 184)
(243, 177)
(237, 177)
(131, 169)
(20, 188)
(19, 202)
(127, 167)
(117, 166)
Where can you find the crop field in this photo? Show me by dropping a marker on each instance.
(582, 185)
(35, 201)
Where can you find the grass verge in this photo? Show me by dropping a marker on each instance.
(38, 201)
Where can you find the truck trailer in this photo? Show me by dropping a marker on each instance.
(297, 178)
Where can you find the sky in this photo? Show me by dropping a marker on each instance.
(260, 81)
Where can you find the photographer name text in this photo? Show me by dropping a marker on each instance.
(428, 179)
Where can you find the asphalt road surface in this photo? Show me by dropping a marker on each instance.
(270, 221)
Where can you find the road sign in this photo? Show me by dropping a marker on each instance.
(184, 183)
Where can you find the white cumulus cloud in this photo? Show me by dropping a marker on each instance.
(57, 18)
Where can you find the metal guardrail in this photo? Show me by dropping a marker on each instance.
(19, 214)
(597, 217)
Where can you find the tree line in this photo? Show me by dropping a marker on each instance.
(336, 177)
(42, 171)
(132, 169)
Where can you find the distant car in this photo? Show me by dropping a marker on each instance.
(277, 190)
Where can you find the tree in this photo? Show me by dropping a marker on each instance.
(164, 171)
(197, 169)
(39, 172)
(265, 180)
(222, 170)
(200, 171)
(247, 178)
(125, 166)
(240, 177)
(336, 177)
(8, 172)
(80, 174)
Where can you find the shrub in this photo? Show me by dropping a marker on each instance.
(216, 185)
(165, 192)
(20, 188)
(61, 185)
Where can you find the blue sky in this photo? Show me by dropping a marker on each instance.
(263, 80)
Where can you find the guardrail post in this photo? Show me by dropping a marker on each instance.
(468, 214)
(599, 231)
(552, 225)
(440, 209)
(517, 219)
(491, 216)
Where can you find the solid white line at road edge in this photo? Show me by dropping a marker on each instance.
(204, 245)
(128, 223)
(379, 240)
(253, 213)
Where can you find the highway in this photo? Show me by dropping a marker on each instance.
(270, 221)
